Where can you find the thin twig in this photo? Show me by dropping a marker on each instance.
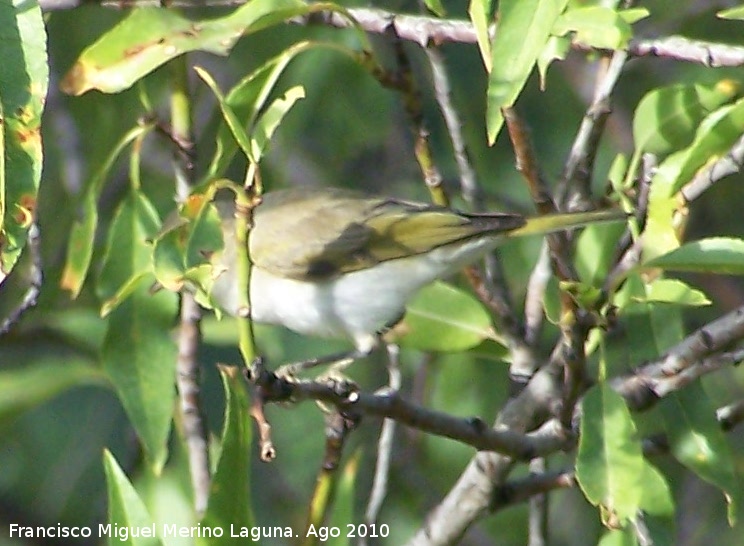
(640, 389)
(729, 164)
(472, 431)
(731, 415)
(36, 279)
(520, 490)
(384, 446)
(574, 188)
(424, 30)
(189, 336)
(538, 511)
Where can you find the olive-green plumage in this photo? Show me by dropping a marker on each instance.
(317, 235)
(338, 263)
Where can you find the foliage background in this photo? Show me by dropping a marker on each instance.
(347, 132)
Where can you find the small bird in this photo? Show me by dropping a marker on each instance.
(342, 264)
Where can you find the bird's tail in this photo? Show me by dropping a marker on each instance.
(549, 223)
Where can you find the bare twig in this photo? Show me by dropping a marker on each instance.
(424, 30)
(575, 184)
(517, 491)
(472, 431)
(257, 376)
(36, 279)
(729, 164)
(187, 366)
(384, 447)
(709, 54)
(629, 250)
(538, 518)
(731, 415)
(684, 361)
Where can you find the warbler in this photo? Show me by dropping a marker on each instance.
(342, 264)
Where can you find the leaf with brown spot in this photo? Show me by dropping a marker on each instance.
(149, 37)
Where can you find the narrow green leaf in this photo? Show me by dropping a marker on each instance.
(231, 119)
(480, 14)
(633, 15)
(168, 259)
(732, 13)
(82, 236)
(149, 37)
(522, 31)
(31, 385)
(127, 254)
(24, 79)
(721, 255)
(436, 7)
(264, 129)
(675, 291)
(126, 509)
(444, 318)
(229, 499)
(609, 465)
(139, 354)
(595, 249)
(343, 502)
(247, 99)
(595, 26)
(556, 48)
(139, 357)
(698, 443)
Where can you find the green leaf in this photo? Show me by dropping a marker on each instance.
(229, 498)
(127, 254)
(675, 291)
(595, 26)
(444, 318)
(149, 37)
(139, 354)
(656, 497)
(697, 441)
(480, 13)
(247, 99)
(714, 138)
(732, 13)
(269, 121)
(182, 250)
(609, 465)
(556, 48)
(666, 118)
(139, 357)
(343, 502)
(595, 249)
(24, 79)
(651, 328)
(168, 259)
(619, 537)
(31, 385)
(721, 255)
(522, 31)
(436, 7)
(82, 235)
(229, 116)
(125, 508)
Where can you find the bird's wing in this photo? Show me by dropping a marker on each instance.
(317, 234)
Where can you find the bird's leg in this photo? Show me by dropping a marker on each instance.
(337, 361)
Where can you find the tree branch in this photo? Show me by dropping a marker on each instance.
(424, 30)
(36, 279)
